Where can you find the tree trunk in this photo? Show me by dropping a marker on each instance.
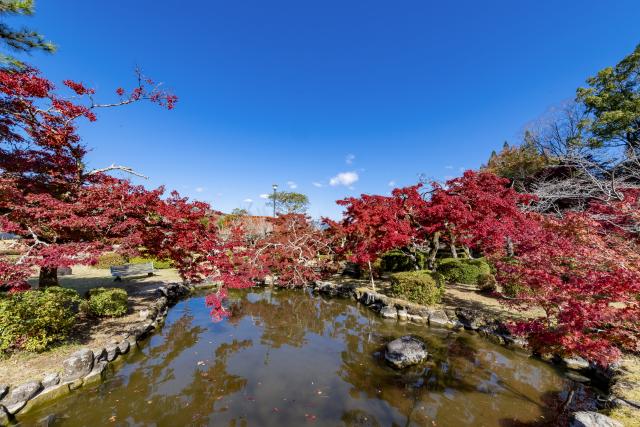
(434, 253)
(467, 252)
(509, 247)
(452, 245)
(48, 277)
(373, 284)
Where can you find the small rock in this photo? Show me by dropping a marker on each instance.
(417, 319)
(20, 395)
(438, 318)
(50, 380)
(99, 355)
(402, 314)
(78, 365)
(124, 347)
(471, 319)
(575, 363)
(112, 352)
(592, 419)
(405, 351)
(3, 390)
(389, 312)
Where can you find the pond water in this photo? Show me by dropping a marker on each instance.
(289, 359)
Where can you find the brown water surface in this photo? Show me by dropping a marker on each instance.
(289, 359)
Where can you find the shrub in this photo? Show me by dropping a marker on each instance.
(107, 302)
(34, 320)
(422, 287)
(487, 282)
(158, 264)
(463, 270)
(110, 259)
(396, 260)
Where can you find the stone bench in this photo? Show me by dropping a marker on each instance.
(130, 270)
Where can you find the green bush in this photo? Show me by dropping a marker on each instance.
(396, 260)
(34, 320)
(487, 282)
(107, 302)
(463, 270)
(422, 287)
(158, 264)
(110, 259)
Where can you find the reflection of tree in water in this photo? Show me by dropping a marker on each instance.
(288, 316)
(359, 418)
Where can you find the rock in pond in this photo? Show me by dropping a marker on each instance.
(20, 395)
(592, 419)
(78, 365)
(405, 351)
(50, 380)
(389, 312)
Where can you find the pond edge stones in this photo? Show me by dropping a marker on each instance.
(87, 366)
(405, 351)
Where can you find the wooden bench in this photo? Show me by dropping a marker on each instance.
(130, 270)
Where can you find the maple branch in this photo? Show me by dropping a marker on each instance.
(118, 167)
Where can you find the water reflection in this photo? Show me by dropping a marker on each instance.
(287, 359)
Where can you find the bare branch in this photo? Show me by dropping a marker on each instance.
(117, 167)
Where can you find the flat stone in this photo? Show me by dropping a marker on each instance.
(389, 312)
(19, 396)
(405, 351)
(47, 395)
(417, 319)
(78, 365)
(575, 363)
(439, 318)
(592, 419)
(50, 380)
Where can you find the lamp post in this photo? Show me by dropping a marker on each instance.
(275, 189)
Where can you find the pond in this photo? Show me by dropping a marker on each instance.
(286, 358)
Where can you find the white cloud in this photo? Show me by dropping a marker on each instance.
(292, 185)
(448, 167)
(248, 200)
(349, 159)
(344, 178)
(199, 189)
(392, 183)
(318, 185)
(264, 196)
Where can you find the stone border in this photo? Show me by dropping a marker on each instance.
(491, 328)
(88, 366)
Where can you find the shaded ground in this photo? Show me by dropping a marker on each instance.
(88, 332)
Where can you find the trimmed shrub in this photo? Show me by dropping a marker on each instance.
(463, 270)
(158, 264)
(109, 259)
(107, 302)
(422, 287)
(487, 282)
(396, 260)
(34, 320)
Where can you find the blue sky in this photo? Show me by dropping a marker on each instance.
(299, 92)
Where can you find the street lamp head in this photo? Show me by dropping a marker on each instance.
(275, 187)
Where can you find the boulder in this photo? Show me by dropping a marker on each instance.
(78, 365)
(438, 318)
(50, 380)
(405, 351)
(471, 319)
(368, 298)
(124, 347)
(112, 352)
(19, 396)
(592, 419)
(389, 312)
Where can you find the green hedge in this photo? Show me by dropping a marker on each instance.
(463, 270)
(396, 260)
(34, 320)
(110, 259)
(107, 302)
(422, 287)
